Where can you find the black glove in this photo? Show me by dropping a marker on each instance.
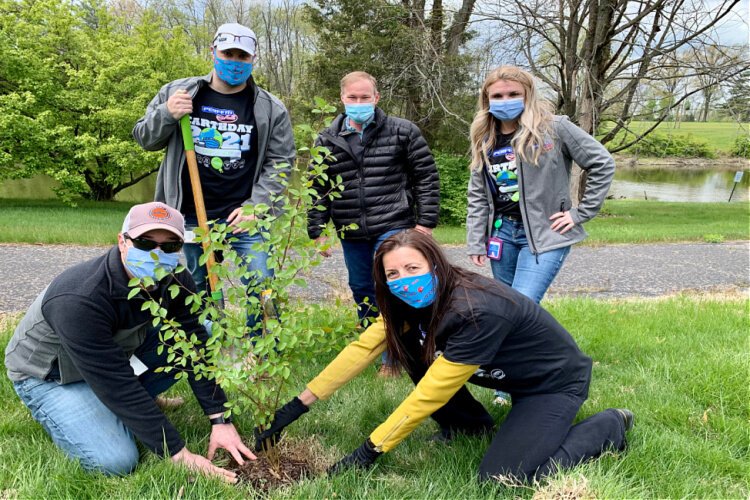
(363, 458)
(284, 416)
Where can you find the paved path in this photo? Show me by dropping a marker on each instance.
(600, 272)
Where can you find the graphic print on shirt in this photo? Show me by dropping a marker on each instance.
(502, 169)
(220, 143)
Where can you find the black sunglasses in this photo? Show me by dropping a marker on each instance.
(147, 245)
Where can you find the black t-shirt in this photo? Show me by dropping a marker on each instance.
(226, 147)
(501, 173)
(520, 347)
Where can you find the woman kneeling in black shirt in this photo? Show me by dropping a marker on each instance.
(448, 326)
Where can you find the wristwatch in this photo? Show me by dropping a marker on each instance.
(221, 419)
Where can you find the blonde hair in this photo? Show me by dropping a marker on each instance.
(534, 123)
(358, 75)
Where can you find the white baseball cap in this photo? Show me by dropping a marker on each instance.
(235, 36)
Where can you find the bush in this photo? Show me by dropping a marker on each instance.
(658, 145)
(454, 180)
(741, 147)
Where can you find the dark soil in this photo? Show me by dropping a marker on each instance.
(296, 462)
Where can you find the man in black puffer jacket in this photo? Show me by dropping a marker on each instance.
(389, 177)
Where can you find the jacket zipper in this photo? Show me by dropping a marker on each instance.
(379, 446)
(525, 214)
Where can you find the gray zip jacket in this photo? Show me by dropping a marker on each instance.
(158, 129)
(544, 190)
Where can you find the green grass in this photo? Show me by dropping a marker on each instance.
(719, 136)
(621, 221)
(51, 221)
(637, 221)
(680, 364)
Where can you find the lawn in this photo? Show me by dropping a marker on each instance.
(719, 136)
(680, 364)
(621, 221)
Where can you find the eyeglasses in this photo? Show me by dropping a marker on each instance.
(250, 43)
(147, 245)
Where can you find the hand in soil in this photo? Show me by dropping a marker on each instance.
(203, 465)
(226, 436)
(284, 416)
(363, 458)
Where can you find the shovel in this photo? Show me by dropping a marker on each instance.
(200, 207)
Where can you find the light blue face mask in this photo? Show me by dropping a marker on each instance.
(141, 264)
(506, 109)
(360, 113)
(416, 291)
(232, 72)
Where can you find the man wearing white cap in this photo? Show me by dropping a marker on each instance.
(84, 357)
(241, 133)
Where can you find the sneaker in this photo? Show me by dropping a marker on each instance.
(502, 399)
(627, 417)
(165, 402)
(388, 371)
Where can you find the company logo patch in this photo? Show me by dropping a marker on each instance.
(159, 213)
(217, 111)
(227, 118)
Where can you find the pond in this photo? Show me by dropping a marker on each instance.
(661, 184)
(674, 184)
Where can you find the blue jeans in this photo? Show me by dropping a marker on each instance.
(358, 257)
(527, 273)
(79, 423)
(255, 260)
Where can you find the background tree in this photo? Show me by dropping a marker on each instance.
(412, 50)
(737, 105)
(595, 55)
(73, 81)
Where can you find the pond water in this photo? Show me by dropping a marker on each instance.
(667, 184)
(701, 185)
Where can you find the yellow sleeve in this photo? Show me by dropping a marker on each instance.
(443, 379)
(351, 361)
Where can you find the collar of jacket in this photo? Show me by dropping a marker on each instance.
(338, 126)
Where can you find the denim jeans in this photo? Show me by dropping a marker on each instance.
(79, 423)
(255, 260)
(358, 257)
(518, 268)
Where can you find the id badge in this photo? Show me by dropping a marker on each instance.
(494, 248)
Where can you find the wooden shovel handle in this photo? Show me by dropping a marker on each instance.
(200, 207)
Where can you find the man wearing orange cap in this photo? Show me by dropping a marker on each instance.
(84, 357)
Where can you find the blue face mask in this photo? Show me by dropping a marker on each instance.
(140, 263)
(416, 291)
(360, 113)
(506, 109)
(232, 72)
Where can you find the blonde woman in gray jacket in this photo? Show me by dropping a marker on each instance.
(520, 215)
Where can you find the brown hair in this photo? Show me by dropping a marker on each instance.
(395, 311)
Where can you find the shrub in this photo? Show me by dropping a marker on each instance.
(658, 145)
(454, 180)
(256, 370)
(741, 146)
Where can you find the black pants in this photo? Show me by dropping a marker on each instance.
(537, 437)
